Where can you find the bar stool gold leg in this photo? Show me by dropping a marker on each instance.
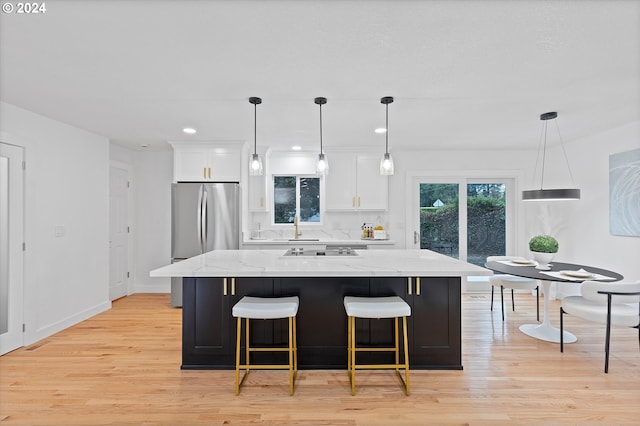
(254, 308)
(349, 348)
(238, 333)
(353, 355)
(406, 356)
(295, 349)
(247, 346)
(390, 307)
(290, 355)
(397, 339)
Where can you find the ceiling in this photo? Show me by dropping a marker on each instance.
(464, 74)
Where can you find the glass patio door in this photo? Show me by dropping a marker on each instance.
(440, 218)
(464, 218)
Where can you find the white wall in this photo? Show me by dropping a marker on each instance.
(153, 174)
(480, 163)
(582, 227)
(66, 185)
(151, 227)
(121, 154)
(346, 225)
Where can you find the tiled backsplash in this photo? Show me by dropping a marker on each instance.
(335, 226)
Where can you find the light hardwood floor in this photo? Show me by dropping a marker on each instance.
(123, 367)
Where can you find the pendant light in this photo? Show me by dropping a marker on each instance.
(386, 164)
(322, 167)
(550, 194)
(255, 162)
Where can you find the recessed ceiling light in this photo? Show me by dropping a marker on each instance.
(296, 147)
(189, 130)
(144, 145)
(380, 130)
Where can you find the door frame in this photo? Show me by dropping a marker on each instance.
(14, 338)
(130, 237)
(514, 211)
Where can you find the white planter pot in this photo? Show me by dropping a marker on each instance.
(543, 259)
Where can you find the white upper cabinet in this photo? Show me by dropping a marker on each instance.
(258, 193)
(207, 162)
(354, 183)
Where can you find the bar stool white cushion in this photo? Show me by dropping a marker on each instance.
(376, 307)
(266, 307)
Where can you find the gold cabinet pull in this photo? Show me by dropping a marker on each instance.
(233, 286)
(204, 173)
(224, 286)
(418, 286)
(409, 285)
(209, 172)
(261, 201)
(358, 201)
(353, 201)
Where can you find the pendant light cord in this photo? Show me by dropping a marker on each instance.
(386, 140)
(255, 125)
(320, 128)
(544, 155)
(543, 144)
(566, 159)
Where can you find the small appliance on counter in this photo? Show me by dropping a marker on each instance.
(370, 232)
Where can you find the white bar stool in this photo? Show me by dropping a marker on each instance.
(377, 307)
(266, 308)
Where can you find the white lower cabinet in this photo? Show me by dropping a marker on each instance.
(354, 183)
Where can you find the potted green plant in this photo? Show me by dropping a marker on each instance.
(543, 247)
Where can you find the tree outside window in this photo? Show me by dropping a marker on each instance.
(296, 195)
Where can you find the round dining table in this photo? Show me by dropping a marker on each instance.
(559, 272)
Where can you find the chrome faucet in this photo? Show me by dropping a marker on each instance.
(295, 224)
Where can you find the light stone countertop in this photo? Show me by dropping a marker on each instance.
(319, 241)
(273, 263)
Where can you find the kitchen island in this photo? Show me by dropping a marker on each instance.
(215, 281)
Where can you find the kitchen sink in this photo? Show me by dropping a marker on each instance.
(327, 252)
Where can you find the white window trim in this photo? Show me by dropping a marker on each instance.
(514, 211)
(298, 177)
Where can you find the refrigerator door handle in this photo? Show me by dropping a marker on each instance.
(199, 218)
(205, 218)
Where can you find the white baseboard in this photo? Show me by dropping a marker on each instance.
(48, 330)
(152, 288)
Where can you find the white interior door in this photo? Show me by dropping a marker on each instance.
(11, 247)
(119, 233)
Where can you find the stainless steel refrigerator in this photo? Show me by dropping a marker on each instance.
(204, 217)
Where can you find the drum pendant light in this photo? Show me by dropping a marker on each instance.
(255, 162)
(322, 168)
(386, 164)
(550, 194)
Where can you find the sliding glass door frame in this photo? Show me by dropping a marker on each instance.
(513, 211)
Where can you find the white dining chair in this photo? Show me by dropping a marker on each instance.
(514, 283)
(606, 303)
